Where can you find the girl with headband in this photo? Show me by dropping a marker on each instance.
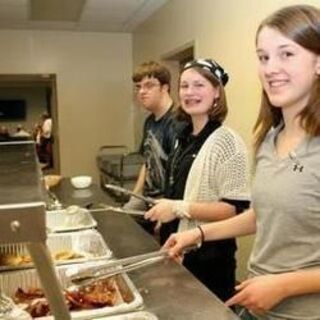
(207, 175)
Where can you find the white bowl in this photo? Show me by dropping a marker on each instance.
(81, 182)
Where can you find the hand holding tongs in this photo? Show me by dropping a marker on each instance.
(148, 200)
(109, 269)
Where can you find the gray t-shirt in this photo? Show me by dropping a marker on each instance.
(286, 200)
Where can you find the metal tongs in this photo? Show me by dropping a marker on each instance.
(88, 275)
(148, 200)
(104, 207)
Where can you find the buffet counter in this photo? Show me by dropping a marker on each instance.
(168, 289)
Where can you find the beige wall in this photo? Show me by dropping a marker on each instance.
(93, 86)
(225, 30)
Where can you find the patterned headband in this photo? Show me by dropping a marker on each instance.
(211, 66)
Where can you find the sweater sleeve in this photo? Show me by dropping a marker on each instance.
(232, 170)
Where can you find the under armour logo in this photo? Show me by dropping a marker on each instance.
(298, 167)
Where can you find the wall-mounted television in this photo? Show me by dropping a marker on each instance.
(11, 110)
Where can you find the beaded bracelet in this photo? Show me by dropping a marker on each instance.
(202, 236)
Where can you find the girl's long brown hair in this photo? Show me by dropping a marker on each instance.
(301, 24)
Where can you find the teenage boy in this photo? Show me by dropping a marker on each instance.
(152, 88)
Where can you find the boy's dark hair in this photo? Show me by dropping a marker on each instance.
(152, 69)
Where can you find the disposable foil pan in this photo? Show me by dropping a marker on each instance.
(88, 244)
(60, 221)
(128, 297)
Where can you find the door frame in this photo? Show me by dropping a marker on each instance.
(175, 60)
(48, 81)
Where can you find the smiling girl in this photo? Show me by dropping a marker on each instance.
(209, 171)
(284, 268)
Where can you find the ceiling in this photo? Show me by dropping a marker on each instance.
(76, 15)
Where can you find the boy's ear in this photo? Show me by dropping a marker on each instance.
(318, 65)
(166, 87)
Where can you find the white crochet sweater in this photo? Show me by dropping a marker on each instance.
(220, 171)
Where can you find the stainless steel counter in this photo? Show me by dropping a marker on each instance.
(19, 182)
(168, 289)
(22, 201)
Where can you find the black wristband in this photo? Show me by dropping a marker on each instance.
(202, 235)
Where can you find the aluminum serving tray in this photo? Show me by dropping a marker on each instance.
(59, 221)
(128, 297)
(88, 243)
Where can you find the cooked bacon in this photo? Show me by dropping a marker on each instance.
(97, 295)
(28, 295)
(39, 308)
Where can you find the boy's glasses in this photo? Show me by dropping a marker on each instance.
(147, 86)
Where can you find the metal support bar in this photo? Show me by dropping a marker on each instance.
(50, 284)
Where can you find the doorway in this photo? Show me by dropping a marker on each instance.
(175, 60)
(37, 95)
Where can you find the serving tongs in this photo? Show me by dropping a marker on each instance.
(104, 207)
(148, 200)
(88, 275)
